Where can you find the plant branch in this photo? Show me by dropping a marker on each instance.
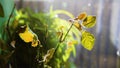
(67, 33)
(56, 48)
(63, 39)
(7, 27)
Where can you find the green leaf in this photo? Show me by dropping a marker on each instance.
(63, 12)
(89, 22)
(1, 11)
(87, 40)
(7, 6)
(67, 54)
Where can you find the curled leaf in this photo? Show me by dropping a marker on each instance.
(13, 43)
(60, 35)
(82, 16)
(63, 12)
(78, 25)
(49, 55)
(89, 22)
(87, 40)
(35, 41)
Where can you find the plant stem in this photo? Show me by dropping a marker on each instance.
(63, 39)
(7, 27)
(67, 32)
(56, 48)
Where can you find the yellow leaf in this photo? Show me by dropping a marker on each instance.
(78, 25)
(87, 40)
(82, 16)
(89, 22)
(28, 36)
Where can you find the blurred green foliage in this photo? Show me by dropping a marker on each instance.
(5, 10)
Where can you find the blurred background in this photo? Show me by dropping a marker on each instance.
(106, 52)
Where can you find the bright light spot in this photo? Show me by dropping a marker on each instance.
(118, 53)
(56, 15)
(89, 4)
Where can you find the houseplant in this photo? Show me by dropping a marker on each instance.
(43, 40)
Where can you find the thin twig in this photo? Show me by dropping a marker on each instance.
(7, 27)
(67, 32)
(56, 48)
(63, 39)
